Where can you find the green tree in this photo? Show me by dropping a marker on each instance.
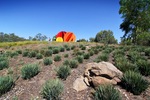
(91, 39)
(106, 37)
(136, 17)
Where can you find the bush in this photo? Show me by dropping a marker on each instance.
(48, 53)
(68, 49)
(73, 47)
(147, 51)
(4, 63)
(144, 67)
(80, 59)
(62, 49)
(19, 51)
(39, 56)
(133, 82)
(83, 48)
(32, 54)
(47, 61)
(66, 62)
(73, 63)
(30, 70)
(107, 92)
(57, 58)
(86, 56)
(104, 57)
(56, 50)
(91, 52)
(52, 89)
(6, 83)
(25, 53)
(66, 46)
(124, 65)
(14, 54)
(66, 55)
(63, 72)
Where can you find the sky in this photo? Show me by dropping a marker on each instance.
(85, 18)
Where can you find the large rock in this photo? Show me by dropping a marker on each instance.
(102, 72)
(79, 84)
(98, 80)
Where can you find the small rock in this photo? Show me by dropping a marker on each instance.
(79, 84)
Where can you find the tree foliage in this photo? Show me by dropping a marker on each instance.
(4, 37)
(136, 17)
(38, 37)
(106, 37)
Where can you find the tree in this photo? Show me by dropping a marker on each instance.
(92, 39)
(40, 37)
(136, 17)
(106, 37)
(82, 40)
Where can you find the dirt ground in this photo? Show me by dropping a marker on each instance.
(30, 89)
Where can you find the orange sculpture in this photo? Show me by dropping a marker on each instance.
(63, 36)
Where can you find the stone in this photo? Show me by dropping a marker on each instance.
(102, 73)
(98, 80)
(86, 81)
(102, 68)
(79, 84)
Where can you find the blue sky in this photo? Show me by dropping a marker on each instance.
(85, 18)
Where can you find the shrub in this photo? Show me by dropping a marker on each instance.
(47, 61)
(96, 51)
(19, 51)
(134, 56)
(147, 51)
(104, 57)
(73, 47)
(144, 67)
(62, 49)
(6, 83)
(66, 55)
(124, 65)
(107, 92)
(91, 52)
(133, 82)
(57, 58)
(48, 53)
(80, 59)
(68, 49)
(63, 72)
(56, 50)
(83, 48)
(32, 54)
(86, 56)
(4, 63)
(14, 54)
(66, 46)
(66, 62)
(73, 63)
(25, 53)
(39, 56)
(30, 70)
(52, 89)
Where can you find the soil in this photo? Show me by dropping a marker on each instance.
(30, 89)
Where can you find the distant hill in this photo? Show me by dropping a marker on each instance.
(4, 37)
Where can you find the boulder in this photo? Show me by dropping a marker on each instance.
(79, 84)
(98, 80)
(102, 72)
